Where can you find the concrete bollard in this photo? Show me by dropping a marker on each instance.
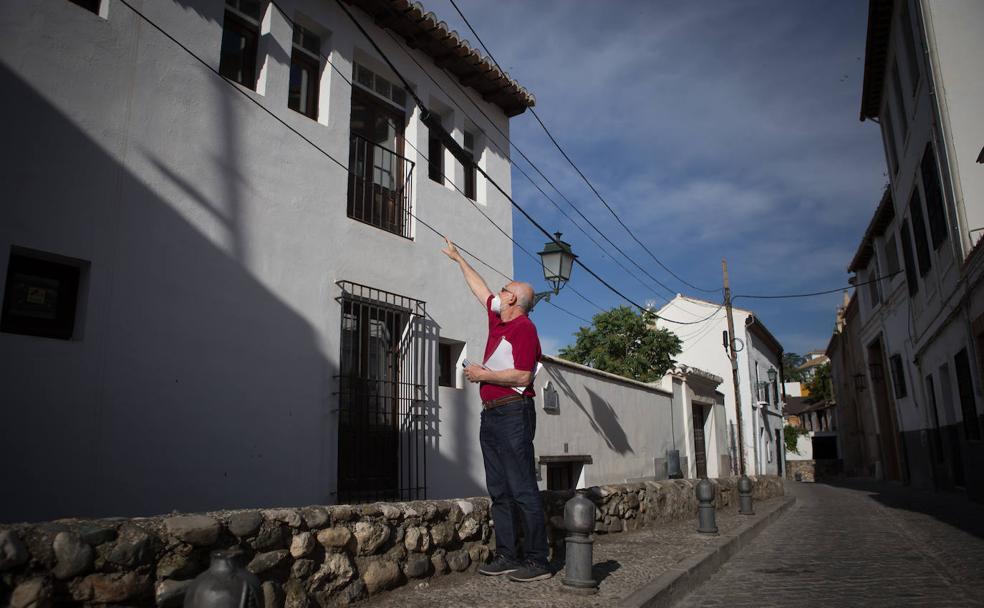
(705, 507)
(579, 521)
(745, 496)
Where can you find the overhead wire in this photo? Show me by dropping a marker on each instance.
(324, 152)
(813, 293)
(578, 170)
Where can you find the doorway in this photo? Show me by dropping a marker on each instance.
(700, 447)
(885, 413)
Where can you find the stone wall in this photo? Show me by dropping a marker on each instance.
(305, 557)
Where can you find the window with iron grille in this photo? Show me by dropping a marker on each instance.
(910, 265)
(471, 173)
(240, 40)
(381, 399)
(305, 71)
(41, 294)
(919, 233)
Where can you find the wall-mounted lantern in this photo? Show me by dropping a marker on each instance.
(558, 262)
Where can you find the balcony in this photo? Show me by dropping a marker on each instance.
(380, 186)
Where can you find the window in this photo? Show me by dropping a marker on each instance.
(910, 265)
(891, 255)
(909, 44)
(471, 173)
(965, 388)
(551, 400)
(89, 5)
(874, 286)
(889, 134)
(379, 85)
(435, 157)
(240, 37)
(898, 376)
(305, 68)
(919, 233)
(41, 295)
(934, 197)
(448, 357)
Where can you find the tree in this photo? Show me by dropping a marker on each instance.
(819, 384)
(623, 342)
(790, 361)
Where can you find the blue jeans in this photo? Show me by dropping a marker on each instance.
(506, 437)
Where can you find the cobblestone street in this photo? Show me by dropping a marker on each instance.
(858, 544)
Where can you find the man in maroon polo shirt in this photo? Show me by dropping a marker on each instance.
(508, 424)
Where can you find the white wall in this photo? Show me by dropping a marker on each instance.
(203, 372)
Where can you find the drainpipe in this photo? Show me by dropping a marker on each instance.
(781, 448)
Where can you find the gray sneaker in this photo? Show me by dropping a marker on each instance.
(500, 565)
(530, 572)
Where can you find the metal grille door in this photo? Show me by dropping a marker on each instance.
(381, 442)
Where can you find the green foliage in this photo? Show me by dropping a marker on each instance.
(623, 342)
(790, 361)
(819, 384)
(791, 435)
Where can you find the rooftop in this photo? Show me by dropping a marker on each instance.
(422, 30)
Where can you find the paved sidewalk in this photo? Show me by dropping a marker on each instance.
(624, 563)
(858, 544)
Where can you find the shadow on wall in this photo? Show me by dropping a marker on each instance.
(194, 388)
(602, 417)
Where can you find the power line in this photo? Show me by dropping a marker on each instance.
(813, 293)
(308, 141)
(540, 173)
(579, 172)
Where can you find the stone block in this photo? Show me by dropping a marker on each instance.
(315, 517)
(178, 565)
(417, 566)
(170, 594)
(273, 595)
(334, 573)
(370, 536)
(112, 588)
(459, 560)
(351, 594)
(97, 533)
(134, 547)
(32, 593)
(269, 560)
(439, 562)
(73, 556)
(479, 554)
(341, 513)
(272, 535)
(296, 595)
(302, 569)
(197, 530)
(245, 523)
(390, 512)
(335, 538)
(13, 552)
(287, 516)
(380, 575)
(443, 534)
(302, 544)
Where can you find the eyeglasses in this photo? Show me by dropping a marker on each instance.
(507, 291)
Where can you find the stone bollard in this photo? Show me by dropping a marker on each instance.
(224, 584)
(705, 507)
(579, 521)
(745, 496)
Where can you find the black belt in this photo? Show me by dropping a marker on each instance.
(494, 403)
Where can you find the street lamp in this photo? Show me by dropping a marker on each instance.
(772, 375)
(558, 262)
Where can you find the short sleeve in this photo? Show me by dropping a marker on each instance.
(493, 318)
(526, 347)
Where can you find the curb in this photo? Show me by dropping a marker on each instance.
(684, 577)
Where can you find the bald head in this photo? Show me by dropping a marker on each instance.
(524, 294)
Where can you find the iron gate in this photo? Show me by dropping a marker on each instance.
(381, 397)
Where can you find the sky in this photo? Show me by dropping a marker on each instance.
(715, 129)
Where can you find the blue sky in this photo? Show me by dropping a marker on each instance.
(715, 129)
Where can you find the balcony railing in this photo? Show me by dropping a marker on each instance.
(380, 185)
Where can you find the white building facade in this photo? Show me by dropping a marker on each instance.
(758, 352)
(202, 308)
(922, 86)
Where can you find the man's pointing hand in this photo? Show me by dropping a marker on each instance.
(451, 251)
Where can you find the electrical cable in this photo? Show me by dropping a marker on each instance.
(307, 140)
(813, 293)
(578, 170)
(538, 171)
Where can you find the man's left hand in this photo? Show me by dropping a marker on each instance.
(475, 373)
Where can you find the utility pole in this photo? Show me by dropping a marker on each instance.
(734, 366)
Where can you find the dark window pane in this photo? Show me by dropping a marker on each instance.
(445, 367)
(435, 158)
(302, 95)
(910, 265)
(90, 5)
(238, 54)
(934, 197)
(40, 297)
(919, 232)
(898, 376)
(911, 57)
(470, 178)
(889, 131)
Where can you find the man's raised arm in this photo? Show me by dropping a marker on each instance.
(474, 280)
